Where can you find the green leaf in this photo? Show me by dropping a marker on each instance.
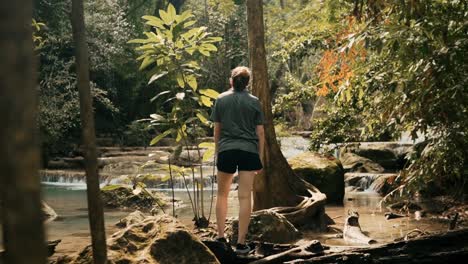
(206, 101)
(146, 47)
(209, 47)
(192, 64)
(146, 62)
(207, 145)
(208, 155)
(213, 39)
(171, 11)
(181, 133)
(180, 80)
(154, 21)
(155, 24)
(192, 82)
(189, 23)
(202, 118)
(160, 136)
(165, 17)
(204, 52)
(210, 93)
(157, 76)
(184, 16)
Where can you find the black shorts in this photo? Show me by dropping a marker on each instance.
(231, 160)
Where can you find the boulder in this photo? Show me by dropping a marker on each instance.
(379, 152)
(162, 239)
(354, 163)
(266, 226)
(384, 184)
(324, 172)
(131, 219)
(118, 196)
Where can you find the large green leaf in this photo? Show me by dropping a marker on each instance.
(161, 136)
(180, 80)
(165, 17)
(146, 62)
(171, 11)
(206, 101)
(210, 93)
(192, 81)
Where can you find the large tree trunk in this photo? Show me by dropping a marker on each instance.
(23, 232)
(95, 208)
(300, 202)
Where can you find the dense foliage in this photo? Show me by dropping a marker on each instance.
(349, 70)
(413, 78)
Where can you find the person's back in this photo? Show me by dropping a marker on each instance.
(239, 113)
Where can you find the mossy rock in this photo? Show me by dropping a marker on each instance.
(118, 196)
(324, 172)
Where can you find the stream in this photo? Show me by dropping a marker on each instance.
(68, 199)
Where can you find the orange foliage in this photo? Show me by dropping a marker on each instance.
(336, 67)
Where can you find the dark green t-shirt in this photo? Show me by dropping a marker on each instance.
(239, 114)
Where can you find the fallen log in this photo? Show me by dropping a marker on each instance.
(314, 248)
(451, 247)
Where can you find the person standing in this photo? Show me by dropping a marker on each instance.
(239, 140)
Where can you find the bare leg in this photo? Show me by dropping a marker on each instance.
(246, 179)
(224, 185)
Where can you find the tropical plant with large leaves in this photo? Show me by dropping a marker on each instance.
(173, 50)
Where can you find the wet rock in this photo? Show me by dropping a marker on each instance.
(390, 215)
(355, 163)
(51, 245)
(117, 196)
(131, 219)
(266, 226)
(384, 184)
(161, 239)
(382, 153)
(325, 173)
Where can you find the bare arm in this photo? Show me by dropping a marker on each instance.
(216, 134)
(261, 140)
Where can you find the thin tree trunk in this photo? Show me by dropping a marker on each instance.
(278, 185)
(23, 232)
(95, 209)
